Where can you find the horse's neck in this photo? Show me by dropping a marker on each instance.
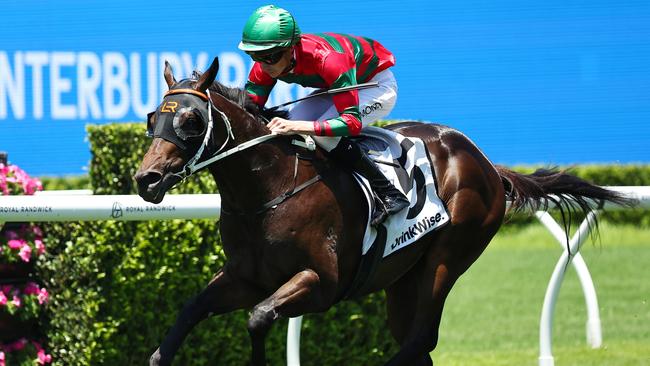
(252, 177)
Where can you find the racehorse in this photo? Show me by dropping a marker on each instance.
(292, 222)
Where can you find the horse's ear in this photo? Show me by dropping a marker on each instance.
(150, 123)
(208, 77)
(169, 75)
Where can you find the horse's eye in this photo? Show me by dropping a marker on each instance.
(193, 125)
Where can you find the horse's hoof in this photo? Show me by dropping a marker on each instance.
(156, 360)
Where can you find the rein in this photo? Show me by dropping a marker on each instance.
(193, 165)
(281, 198)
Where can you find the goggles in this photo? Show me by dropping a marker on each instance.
(269, 58)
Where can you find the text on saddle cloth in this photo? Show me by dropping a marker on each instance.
(404, 162)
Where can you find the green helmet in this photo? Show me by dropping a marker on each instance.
(269, 27)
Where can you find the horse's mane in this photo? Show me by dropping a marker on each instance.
(242, 99)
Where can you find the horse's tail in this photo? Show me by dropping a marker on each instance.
(535, 191)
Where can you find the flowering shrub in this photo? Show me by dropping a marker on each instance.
(23, 352)
(24, 244)
(15, 181)
(21, 243)
(23, 301)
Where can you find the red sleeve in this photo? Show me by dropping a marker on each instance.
(339, 70)
(259, 85)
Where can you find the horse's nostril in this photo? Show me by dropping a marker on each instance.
(148, 178)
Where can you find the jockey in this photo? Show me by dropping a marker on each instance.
(273, 40)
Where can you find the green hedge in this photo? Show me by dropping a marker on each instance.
(68, 182)
(117, 286)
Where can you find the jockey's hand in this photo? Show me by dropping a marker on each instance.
(281, 126)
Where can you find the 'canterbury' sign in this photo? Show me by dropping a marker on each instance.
(62, 85)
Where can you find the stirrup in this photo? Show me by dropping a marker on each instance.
(379, 213)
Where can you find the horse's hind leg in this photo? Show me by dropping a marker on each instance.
(431, 279)
(223, 294)
(400, 306)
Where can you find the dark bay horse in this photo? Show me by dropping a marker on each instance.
(301, 255)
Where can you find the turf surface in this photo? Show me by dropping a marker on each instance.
(492, 315)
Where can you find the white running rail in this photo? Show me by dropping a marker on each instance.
(593, 327)
(80, 207)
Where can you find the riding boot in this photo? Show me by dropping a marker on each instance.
(390, 199)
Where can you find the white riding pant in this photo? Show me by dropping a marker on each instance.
(374, 103)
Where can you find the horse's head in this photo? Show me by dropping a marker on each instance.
(180, 127)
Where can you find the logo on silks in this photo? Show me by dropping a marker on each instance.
(370, 108)
(116, 212)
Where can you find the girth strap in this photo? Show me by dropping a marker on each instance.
(368, 266)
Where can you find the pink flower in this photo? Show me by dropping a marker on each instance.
(3, 298)
(31, 185)
(16, 243)
(43, 296)
(12, 176)
(4, 171)
(6, 289)
(18, 345)
(2, 356)
(17, 171)
(25, 253)
(43, 357)
(3, 185)
(40, 247)
(16, 301)
(37, 231)
(31, 289)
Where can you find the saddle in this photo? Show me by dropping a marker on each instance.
(405, 162)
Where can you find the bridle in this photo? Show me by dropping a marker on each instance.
(193, 165)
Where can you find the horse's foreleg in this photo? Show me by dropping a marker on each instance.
(223, 294)
(292, 299)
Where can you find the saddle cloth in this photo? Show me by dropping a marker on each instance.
(403, 160)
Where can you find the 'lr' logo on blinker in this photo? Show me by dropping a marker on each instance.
(169, 107)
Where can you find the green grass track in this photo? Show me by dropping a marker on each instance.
(492, 315)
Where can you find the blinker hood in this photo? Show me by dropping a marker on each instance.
(169, 118)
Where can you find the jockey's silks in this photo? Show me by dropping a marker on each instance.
(329, 60)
